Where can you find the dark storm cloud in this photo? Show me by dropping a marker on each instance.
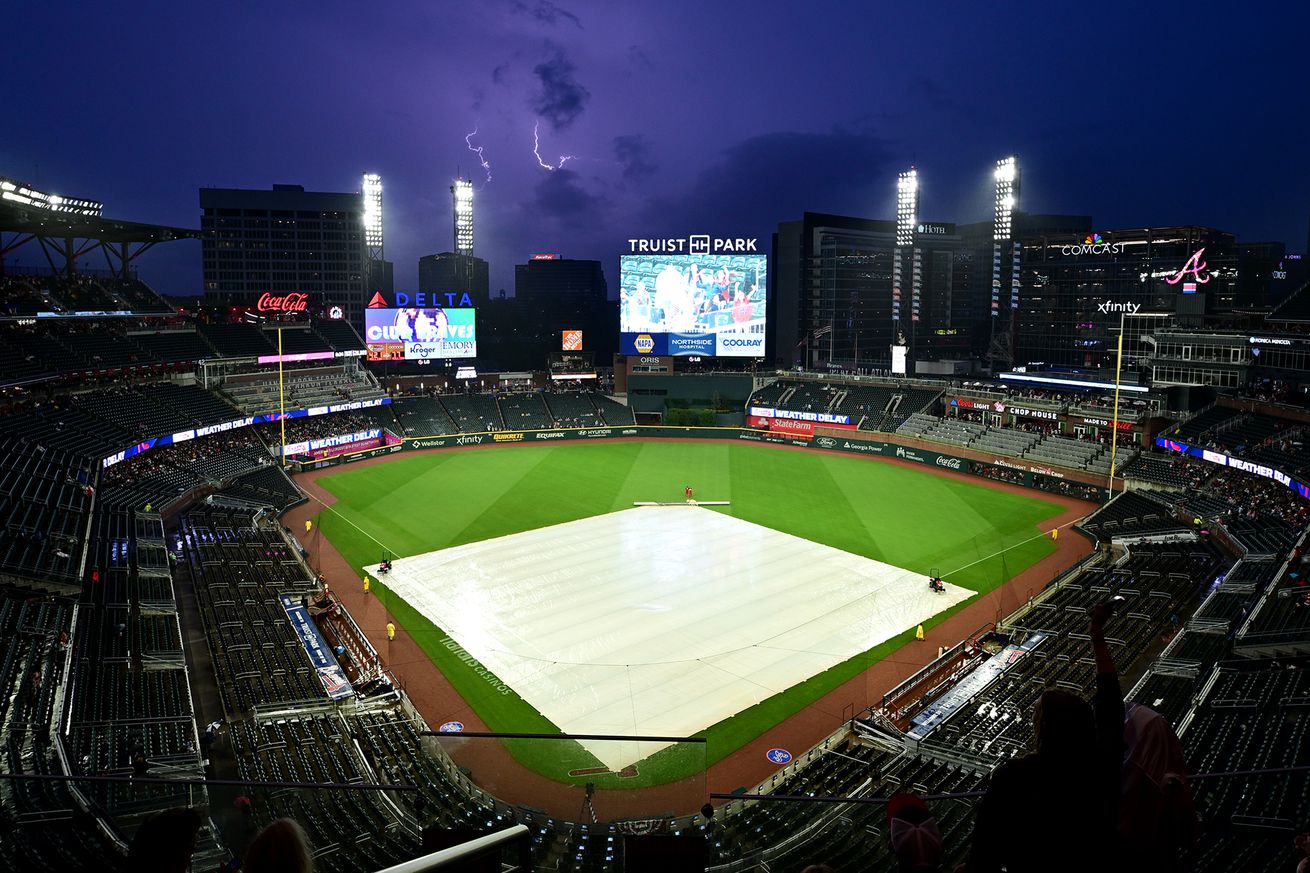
(561, 98)
(561, 197)
(545, 12)
(633, 153)
(777, 176)
(500, 74)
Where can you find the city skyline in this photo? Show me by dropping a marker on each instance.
(597, 124)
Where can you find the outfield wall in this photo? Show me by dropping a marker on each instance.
(999, 468)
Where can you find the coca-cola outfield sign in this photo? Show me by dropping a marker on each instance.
(294, 301)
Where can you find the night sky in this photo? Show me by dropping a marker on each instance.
(684, 117)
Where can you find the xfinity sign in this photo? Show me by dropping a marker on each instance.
(696, 244)
(1106, 307)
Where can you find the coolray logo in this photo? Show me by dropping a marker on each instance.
(1093, 244)
(696, 244)
(549, 435)
(378, 301)
(826, 442)
(632, 431)
(643, 343)
(1106, 307)
(507, 437)
(599, 432)
(468, 440)
(948, 463)
(1192, 268)
(743, 342)
(428, 444)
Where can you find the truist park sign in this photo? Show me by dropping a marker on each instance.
(696, 244)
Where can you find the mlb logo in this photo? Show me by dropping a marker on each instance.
(698, 244)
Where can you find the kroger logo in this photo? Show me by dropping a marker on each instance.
(643, 343)
(826, 442)
(949, 463)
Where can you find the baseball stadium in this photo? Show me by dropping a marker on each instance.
(275, 564)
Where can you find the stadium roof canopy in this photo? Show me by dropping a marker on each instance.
(16, 218)
(64, 237)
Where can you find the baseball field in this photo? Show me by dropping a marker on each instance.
(974, 535)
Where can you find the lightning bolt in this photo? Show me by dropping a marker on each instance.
(536, 150)
(478, 151)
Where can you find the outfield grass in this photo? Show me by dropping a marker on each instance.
(976, 536)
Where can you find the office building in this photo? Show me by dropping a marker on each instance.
(452, 273)
(285, 240)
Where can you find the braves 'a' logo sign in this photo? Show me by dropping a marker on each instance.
(1194, 266)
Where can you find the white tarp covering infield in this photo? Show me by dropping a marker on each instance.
(659, 620)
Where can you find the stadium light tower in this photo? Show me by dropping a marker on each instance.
(907, 215)
(462, 196)
(1006, 176)
(373, 215)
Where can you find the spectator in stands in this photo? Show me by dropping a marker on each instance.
(1056, 809)
(912, 829)
(165, 842)
(1157, 814)
(1303, 843)
(279, 848)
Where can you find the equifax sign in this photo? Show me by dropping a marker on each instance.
(293, 302)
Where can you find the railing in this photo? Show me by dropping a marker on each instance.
(481, 847)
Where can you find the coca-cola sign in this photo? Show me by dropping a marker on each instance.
(292, 302)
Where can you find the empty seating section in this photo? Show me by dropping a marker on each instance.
(172, 346)
(1157, 469)
(44, 501)
(1203, 426)
(1063, 451)
(572, 409)
(872, 407)
(955, 431)
(1155, 581)
(267, 486)
(423, 416)
(238, 571)
(236, 340)
(1131, 513)
(1006, 441)
(524, 411)
(473, 413)
(300, 389)
(614, 413)
(339, 335)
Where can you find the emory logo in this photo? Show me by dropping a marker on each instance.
(378, 301)
(643, 343)
(1107, 307)
(826, 442)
